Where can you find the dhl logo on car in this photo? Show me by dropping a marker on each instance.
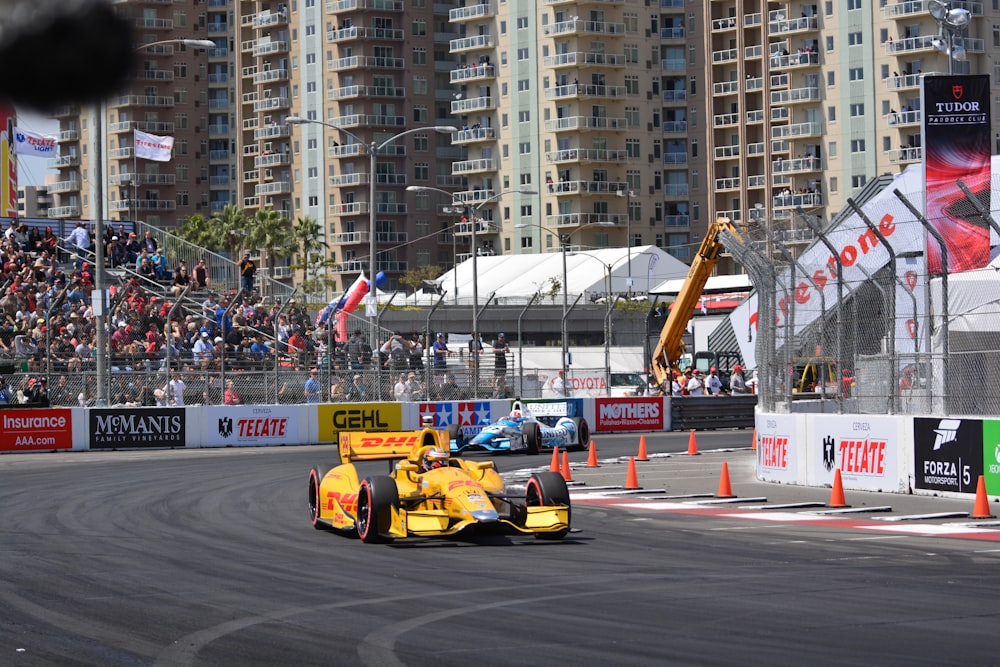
(348, 501)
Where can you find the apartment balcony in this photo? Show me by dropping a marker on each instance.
(219, 104)
(474, 43)
(391, 207)
(272, 160)
(473, 196)
(675, 127)
(449, 181)
(755, 117)
(908, 82)
(904, 118)
(68, 135)
(142, 101)
(472, 12)
(578, 219)
(791, 27)
(678, 65)
(218, 155)
(72, 185)
(580, 90)
(673, 33)
(218, 53)
(755, 149)
(728, 184)
(355, 92)
(677, 220)
(274, 188)
(754, 84)
(119, 153)
(127, 178)
(794, 60)
(151, 23)
(123, 205)
(352, 266)
(252, 176)
(675, 96)
(782, 80)
(581, 27)
(71, 211)
(460, 107)
(265, 19)
(584, 59)
(586, 155)
(265, 76)
(392, 237)
(361, 120)
(676, 189)
(271, 103)
(155, 75)
(349, 180)
(796, 95)
(218, 28)
(727, 152)
(725, 120)
(675, 159)
(71, 160)
(349, 238)
(922, 43)
(66, 111)
(351, 208)
(797, 130)
(726, 88)
(365, 63)
(474, 166)
(473, 135)
(725, 56)
(793, 201)
(342, 6)
(906, 155)
(218, 77)
(272, 132)
(358, 32)
(579, 123)
(216, 207)
(474, 72)
(389, 179)
(251, 202)
(918, 8)
(589, 187)
(724, 24)
(481, 227)
(348, 150)
(143, 125)
(800, 165)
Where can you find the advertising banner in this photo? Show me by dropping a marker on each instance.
(956, 137)
(8, 162)
(337, 417)
(947, 454)
(471, 416)
(153, 147)
(629, 414)
(250, 425)
(777, 448)
(991, 456)
(123, 428)
(33, 144)
(864, 449)
(34, 430)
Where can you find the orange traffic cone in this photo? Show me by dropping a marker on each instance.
(754, 445)
(837, 497)
(592, 456)
(567, 475)
(982, 508)
(693, 445)
(632, 481)
(554, 466)
(642, 449)
(725, 488)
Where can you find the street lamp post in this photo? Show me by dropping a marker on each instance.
(951, 20)
(628, 194)
(100, 276)
(470, 214)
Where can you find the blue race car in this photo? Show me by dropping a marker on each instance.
(523, 432)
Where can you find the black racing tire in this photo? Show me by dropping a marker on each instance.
(582, 430)
(315, 477)
(455, 433)
(548, 488)
(377, 496)
(533, 438)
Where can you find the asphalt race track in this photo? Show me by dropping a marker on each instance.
(206, 558)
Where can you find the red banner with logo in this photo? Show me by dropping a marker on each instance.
(956, 114)
(36, 429)
(629, 414)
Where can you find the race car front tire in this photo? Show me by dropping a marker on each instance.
(533, 437)
(583, 430)
(315, 475)
(546, 489)
(377, 496)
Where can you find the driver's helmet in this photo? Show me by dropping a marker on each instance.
(433, 458)
(515, 414)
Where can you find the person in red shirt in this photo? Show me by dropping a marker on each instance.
(296, 346)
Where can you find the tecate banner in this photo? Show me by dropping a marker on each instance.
(947, 454)
(629, 414)
(863, 449)
(249, 425)
(34, 430)
(777, 450)
(122, 428)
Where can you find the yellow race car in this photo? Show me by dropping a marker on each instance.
(429, 493)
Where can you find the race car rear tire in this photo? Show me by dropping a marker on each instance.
(315, 476)
(377, 496)
(545, 489)
(583, 430)
(533, 438)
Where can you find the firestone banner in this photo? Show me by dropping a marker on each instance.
(956, 115)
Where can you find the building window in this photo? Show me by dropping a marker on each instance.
(524, 147)
(858, 181)
(857, 110)
(523, 85)
(419, 56)
(857, 145)
(523, 116)
(522, 22)
(855, 39)
(421, 171)
(421, 143)
(631, 85)
(523, 54)
(856, 73)
(632, 147)
(631, 53)
(420, 114)
(419, 28)
(420, 85)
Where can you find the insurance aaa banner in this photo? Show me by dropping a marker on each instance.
(957, 146)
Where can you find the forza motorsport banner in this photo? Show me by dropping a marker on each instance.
(123, 428)
(957, 146)
(36, 429)
(947, 454)
(991, 456)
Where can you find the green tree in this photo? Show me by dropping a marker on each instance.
(270, 232)
(414, 278)
(311, 256)
(223, 232)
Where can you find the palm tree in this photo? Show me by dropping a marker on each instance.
(230, 226)
(269, 231)
(313, 259)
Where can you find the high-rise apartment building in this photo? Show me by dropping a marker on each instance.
(171, 94)
(811, 100)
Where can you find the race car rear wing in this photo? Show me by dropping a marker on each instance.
(376, 446)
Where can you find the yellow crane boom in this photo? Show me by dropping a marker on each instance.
(671, 344)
